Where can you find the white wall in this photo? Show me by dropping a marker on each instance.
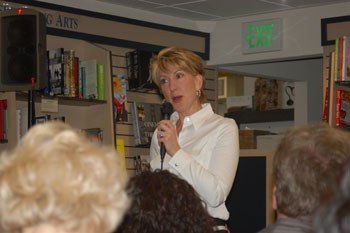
(301, 35)
(301, 39)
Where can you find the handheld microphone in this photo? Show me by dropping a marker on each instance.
(167, 109)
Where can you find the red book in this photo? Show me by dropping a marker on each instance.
(344, 112)
(337, 110)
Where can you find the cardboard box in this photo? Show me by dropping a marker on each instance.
(247, 138)
(268, 141)
(238, 101)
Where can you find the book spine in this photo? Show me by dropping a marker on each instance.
(338, 107)
(121, 150)
(66, 73)
(344, 58)
(135, 124)
(336, 60)
(91, 78)
(341, 56)
(47, 89)
(83, 79)
(80, 74)
(62, 81)
(346, 69)
(72, 73)
(76, 76)
(100, 81)
(56, 71)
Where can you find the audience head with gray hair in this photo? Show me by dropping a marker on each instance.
(334, 216)
(307, 160)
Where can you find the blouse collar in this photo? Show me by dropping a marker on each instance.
(197, 118)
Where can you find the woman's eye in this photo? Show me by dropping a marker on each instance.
(163, 81)
(179, 75)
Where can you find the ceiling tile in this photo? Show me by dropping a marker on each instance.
(229, 8)
(305, 3)
(172, 2)
(184, 13)
(217, 9)
(132, 4)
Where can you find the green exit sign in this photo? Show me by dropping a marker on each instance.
(262, 36)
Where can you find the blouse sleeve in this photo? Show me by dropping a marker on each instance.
(214, 183)
(154, 148)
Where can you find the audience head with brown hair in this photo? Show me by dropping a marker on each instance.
(164, 203)
(306, 161)
(55, 180)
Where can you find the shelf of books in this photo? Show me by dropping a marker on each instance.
(337, 97)
(336, 72)
(78, 91)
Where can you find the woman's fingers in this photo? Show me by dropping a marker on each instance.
(167, 135)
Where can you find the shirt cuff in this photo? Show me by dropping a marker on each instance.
(179, 160)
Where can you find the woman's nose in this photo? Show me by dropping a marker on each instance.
(172, 85)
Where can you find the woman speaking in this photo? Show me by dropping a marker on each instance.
(201, 146)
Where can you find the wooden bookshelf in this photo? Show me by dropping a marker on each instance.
(21, 96)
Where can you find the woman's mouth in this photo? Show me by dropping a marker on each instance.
(177, 99)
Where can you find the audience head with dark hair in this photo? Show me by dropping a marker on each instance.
(164, 203)
(334, 216)
(57, 181)
(306, 161)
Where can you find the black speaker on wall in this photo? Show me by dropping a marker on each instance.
(23, 50)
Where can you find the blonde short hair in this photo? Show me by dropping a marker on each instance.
(57, 176)
(180, 58)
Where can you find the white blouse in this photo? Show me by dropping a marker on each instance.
(208, 157)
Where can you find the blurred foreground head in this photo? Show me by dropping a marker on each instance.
(164, 203)
(56, 180)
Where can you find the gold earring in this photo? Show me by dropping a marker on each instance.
(198, 93)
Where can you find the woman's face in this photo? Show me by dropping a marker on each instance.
(179, 88)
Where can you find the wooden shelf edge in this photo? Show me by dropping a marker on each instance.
(256, 152)
(62, 100)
